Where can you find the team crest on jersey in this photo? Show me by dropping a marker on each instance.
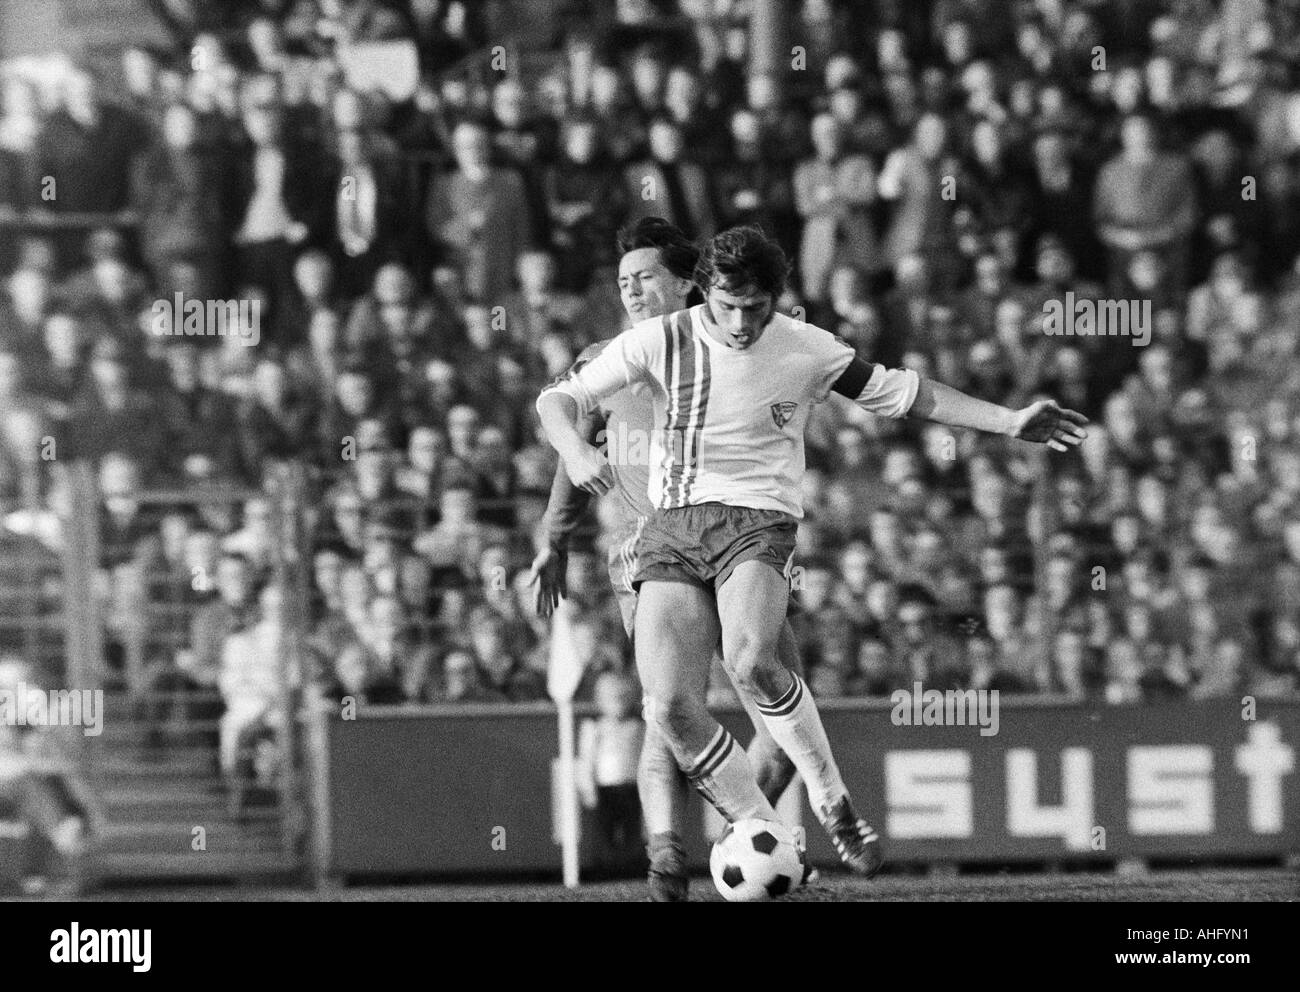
(782, 412)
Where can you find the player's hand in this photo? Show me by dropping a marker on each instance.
(548, 573)
(1046, 423)
(589, 470)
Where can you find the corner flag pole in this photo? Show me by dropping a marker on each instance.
(568, 796)
(564, 672)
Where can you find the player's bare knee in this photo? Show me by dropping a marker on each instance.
(655, 751)
(676, 714)
(754, 666)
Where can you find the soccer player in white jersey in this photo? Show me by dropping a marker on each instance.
(739, 379)
(656, 268)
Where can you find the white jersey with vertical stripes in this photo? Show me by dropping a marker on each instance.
(729, 423)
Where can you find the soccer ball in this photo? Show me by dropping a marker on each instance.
(755, 860)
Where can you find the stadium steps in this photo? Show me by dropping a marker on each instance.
(150, 802)
(196, 865)
(182, 763)
(177, 735)
(222, 836)
(154, 798)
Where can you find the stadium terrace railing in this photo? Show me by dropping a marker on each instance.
(113, 614)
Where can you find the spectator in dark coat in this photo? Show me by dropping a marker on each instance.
(112, 415)
(833, 192)
(669, 185)
(368, 220)
(20, 127)
(1144, 200)
(277, 206)
(921, 221)
(87, 147)
(752, 187)
(503, 675)
(177, 192)
(189, 409)
(524, 142)
(478, 214)
(395, 332)
(585, 202)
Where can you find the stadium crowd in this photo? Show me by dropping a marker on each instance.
(937, 171)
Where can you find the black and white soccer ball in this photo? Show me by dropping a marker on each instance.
(755, 860)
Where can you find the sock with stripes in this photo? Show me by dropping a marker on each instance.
(796, 726)
(723, 776)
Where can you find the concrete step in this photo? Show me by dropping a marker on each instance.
(220, 836)
(178, 735)
(196, 865)
(174, 802)
(129, 764)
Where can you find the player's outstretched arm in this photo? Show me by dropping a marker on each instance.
(1043, 422)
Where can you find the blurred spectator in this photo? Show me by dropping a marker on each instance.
(177, 190)
(386, 664)
(86, 146)
(1143, 200)
(1072, 668)
(277, 205)
(833, 193)
(584, 200)
(20, 130)
(251, 680)
(539, 308)
(369, 221)
(876, 673)
(1061, 192)
(480, 214)
(668, 184)
(926, 654)
(501, 672)
(41, 788)
(609, 749)
(1123, 673)
(921, 221)
(822, 627)
(1222, 676)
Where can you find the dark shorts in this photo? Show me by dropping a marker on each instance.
(702, 545)
(621, 560)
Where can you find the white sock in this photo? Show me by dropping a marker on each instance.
(723, 776)
(660, 784)
(796, 726)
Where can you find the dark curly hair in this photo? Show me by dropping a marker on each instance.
(741, 258)
(677, 252)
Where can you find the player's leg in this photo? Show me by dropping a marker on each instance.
(661, 785)
(664, 792)
(752, 602)
(772, 766)
(676, 630)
